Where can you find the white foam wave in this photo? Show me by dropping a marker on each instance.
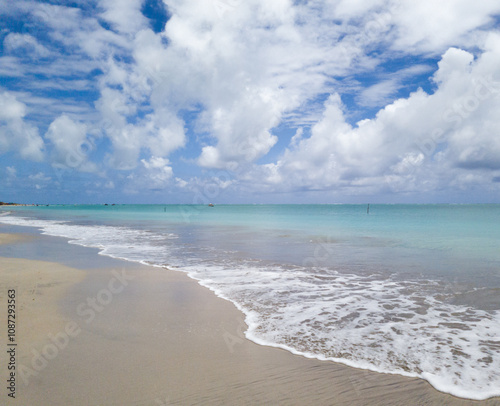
(117, 242)
(367, 322)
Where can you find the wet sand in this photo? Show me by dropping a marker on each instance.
(128, 334)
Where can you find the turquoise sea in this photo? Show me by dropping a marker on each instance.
(406, 289)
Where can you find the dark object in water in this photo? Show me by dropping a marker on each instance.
(210, 205)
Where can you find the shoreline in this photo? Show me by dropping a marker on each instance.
(151, 336)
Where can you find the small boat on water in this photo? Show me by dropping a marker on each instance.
(210, 205)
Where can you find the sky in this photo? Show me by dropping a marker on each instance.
(250, 101)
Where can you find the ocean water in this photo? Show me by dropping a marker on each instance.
(406, 289)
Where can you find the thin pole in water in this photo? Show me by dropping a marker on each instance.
(368, 209)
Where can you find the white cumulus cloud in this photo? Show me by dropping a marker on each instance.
(71, 146)
(15, 133)
(420, 143)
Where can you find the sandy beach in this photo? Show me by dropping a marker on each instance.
(127, 334)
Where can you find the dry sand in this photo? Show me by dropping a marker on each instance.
(149, 336)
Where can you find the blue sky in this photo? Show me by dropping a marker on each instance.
(232, 101)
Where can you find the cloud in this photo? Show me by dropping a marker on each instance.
(40, 176)
(246, 80)
(242, 131)
(210, 94)
(109, 185)
(384, 91)
(11, 109)
(11, 171)
(420, 143)
(426, 26)
(154, 174)
(39, 181)
(214, 186)
(15, 133)
(71, 146)
(182, 183)
(379, 93)
(161, 132)
(10, 178)
(124, 15)
(158, 164)
(14, 42)
(10, 67)
(249, 81)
